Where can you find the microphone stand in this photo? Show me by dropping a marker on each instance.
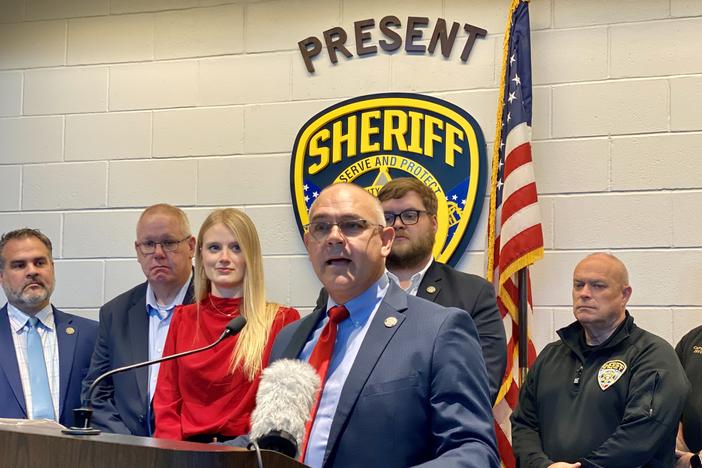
(84, 414)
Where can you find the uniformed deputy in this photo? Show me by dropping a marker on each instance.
(689, 445)
(608, 394)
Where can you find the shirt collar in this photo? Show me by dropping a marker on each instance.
(178, 300)
(18, 319)
(415, 279)
(361, 306)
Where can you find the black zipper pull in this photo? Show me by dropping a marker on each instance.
(578, 373)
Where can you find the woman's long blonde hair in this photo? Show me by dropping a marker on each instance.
(259, 314)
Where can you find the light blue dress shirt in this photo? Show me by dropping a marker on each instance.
(349, 337)
(159, 320)
(47, 332)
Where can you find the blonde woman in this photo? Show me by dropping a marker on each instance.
(209, 396)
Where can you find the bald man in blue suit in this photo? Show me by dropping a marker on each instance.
(406, 384)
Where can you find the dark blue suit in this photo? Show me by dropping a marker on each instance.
(417, 392)
(449, 287)
(74, 358)
(121, 403)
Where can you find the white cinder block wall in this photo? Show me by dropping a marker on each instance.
(107, 106)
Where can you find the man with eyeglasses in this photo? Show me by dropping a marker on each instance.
(134, 325)
(404, 382)
(410, 208)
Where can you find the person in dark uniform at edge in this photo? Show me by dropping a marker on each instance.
(689, 442)
(608, 394)
(410, 207)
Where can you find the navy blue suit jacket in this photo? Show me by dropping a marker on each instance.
(74, 358)
(452, 288)
(417, 393)
(121, 402)
(449, 287)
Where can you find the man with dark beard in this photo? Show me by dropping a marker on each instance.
(46, 352)
(410, 208)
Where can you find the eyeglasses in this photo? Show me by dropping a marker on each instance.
(148, 247)
(320, 230)
(407, 217)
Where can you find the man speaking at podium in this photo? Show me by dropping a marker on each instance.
(410, 209)
(46, 352)
(404, 382)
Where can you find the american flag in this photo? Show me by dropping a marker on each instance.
(515, 239)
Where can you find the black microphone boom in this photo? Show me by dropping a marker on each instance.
(85, 413)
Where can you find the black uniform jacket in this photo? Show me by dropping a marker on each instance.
(613, 405)
(689, 350)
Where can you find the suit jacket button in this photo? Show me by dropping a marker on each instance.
(431, 289)
(141, 418)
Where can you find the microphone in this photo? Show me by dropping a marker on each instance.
(283, 405)
(82, 416)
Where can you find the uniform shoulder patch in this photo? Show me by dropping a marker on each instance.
(610, 372)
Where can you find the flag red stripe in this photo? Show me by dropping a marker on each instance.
(524, 242)
(505, 448)
(516, 158)
(525, 196)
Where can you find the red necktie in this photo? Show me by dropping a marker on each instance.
(320, 358)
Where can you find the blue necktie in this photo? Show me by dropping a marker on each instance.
(42, 404)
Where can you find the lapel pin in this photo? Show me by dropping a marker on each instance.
(390, 322)
(70, 330)
(431, 289)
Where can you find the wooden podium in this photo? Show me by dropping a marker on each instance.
(33, 447)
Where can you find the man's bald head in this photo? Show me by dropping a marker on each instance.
(618, 269)
(601, 292)
(357, 193)
(169, 210)
(347, 241)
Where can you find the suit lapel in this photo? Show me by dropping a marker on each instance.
(374, 343)
(8, 360)
(66, 339)
(190, 294)
(430, 285)
(139, 338)
(302, 333)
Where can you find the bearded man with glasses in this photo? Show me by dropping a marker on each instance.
(410, 209)
(134, 325)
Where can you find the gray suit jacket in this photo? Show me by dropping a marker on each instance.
(120, 403)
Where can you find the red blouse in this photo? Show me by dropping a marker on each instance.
(197, 394)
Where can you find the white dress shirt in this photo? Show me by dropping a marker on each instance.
(414, 280)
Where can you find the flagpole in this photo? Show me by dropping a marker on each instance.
(523, 307)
